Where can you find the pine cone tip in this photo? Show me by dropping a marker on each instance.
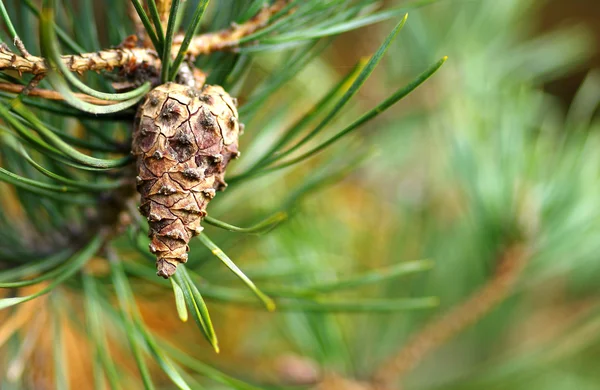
(165, 269)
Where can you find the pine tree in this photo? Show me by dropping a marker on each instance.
(78, 278)
(461, 254)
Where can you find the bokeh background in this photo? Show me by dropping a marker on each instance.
(501, 143)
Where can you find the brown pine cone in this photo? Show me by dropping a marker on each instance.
(183, 140)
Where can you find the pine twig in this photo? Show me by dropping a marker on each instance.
(333, 381)
(49, 94)
(97, 61)
(21, 47)
(135, 57)
(442, 329)
(229, 38)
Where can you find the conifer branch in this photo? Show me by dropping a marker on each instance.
(229, 39)
(440, 330)
(79, 63)
(49, 94)
(133, 58)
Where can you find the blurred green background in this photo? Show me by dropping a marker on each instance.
(501, 145)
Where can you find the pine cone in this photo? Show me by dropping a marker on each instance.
(183, 140)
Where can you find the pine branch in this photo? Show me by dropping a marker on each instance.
(49, 94)
(229, 38)
(79, 63)
(442, 329)
(134, 57)
(103, 183)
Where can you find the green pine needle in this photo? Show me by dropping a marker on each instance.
(166, 50)
(187, 39)
(195, 302)
(157, 40)
(68, 269)
(268, 302)
(354, 88)
(179, 301)
(401, 93)
(258, 228)
(127, 307)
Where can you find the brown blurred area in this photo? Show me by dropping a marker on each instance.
(557, 13)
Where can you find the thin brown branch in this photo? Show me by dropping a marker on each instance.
(332, 381)
(442, 329)
(102, 60)
(32, 84)
(21, 47)
(133, 58)
(50, 95)
(229, 38)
